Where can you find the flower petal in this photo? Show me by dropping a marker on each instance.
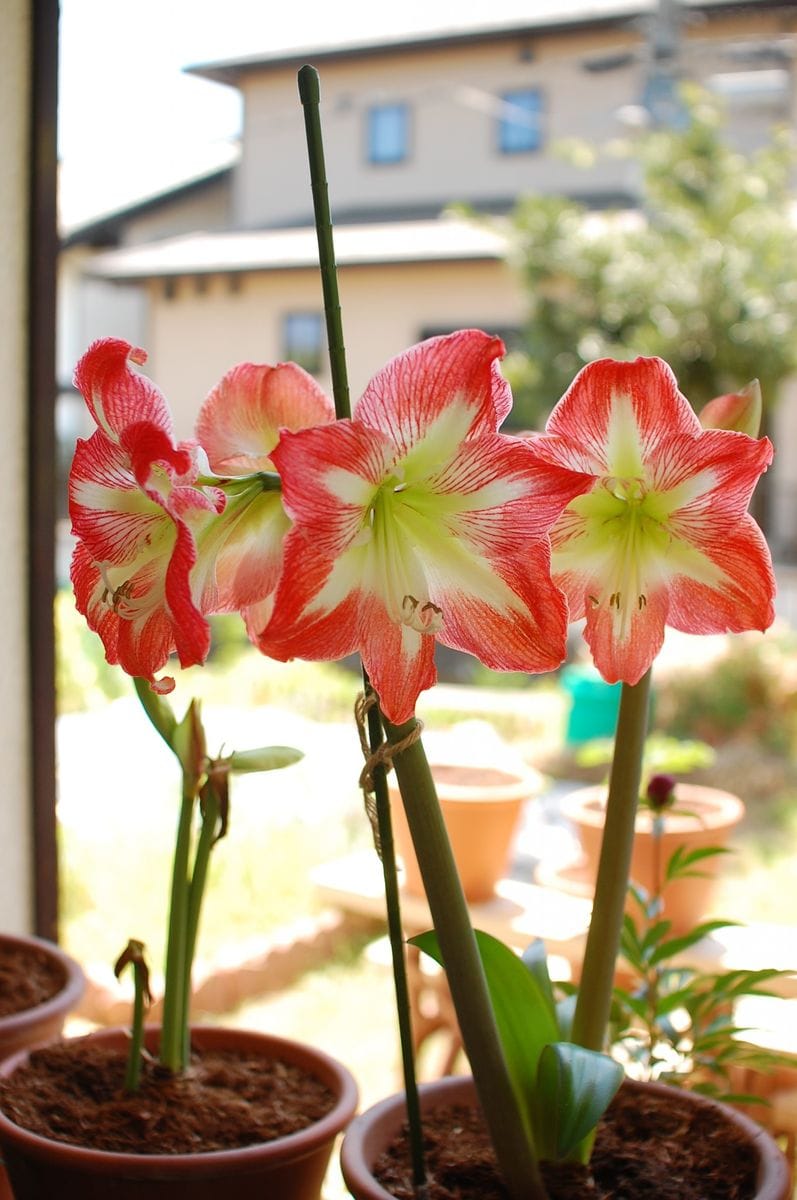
(399, 660)
(454, 381)
(239, 555)
(624, 645)
(240, 421)
(615, 415)
(744, 599)
(527, 632)
(116, 396)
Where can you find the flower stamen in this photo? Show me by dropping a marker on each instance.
(423, 618)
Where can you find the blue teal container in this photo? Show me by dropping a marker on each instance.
(593, 704)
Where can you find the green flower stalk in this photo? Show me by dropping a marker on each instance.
(203, 803)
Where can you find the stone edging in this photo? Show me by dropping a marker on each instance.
(243, 972)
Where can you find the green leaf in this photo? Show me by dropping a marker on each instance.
(267, 758)
(681, 860)
(535, 960)
(576, 1087)
(677, 945)
(565, 1012)
(524, 1015)
(636, 1004)
(653, 937)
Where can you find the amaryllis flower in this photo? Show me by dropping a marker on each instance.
(135, 511)
(239, 425)
(417, 520)
(663, 535)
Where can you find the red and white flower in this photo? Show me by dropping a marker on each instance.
(135, 511)
(239, 424)
(417, 520)
(663, 535)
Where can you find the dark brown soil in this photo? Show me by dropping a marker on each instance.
(225, 1100)
(643, 1151)
(28, 976)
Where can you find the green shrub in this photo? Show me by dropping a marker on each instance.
(751, 691)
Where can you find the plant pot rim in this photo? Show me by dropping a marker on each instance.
(66, 998)
(720, 809)
(235, 1160)
(517, 782)
(773, 1182)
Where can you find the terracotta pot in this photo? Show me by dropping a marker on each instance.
(708, 818)
(481, 807)
(288, 1168)
(372, 1132)
(43, 1022)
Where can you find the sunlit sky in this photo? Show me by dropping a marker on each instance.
(132, 122)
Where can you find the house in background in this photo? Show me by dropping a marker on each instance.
(224, 268)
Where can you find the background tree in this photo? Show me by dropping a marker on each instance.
(704, 274)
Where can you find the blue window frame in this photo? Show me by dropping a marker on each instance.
(520, 123)
(387, 133)
(302, 340)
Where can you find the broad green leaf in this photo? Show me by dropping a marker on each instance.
(266, 758)
(524, 1016)
(575, 1088)
(565, 1012)
(536, 961)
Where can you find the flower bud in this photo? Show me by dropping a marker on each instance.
(660, 792)
(739, 412)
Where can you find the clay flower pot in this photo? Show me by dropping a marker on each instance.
(370, 1134)
(290, 1167)
(481, 807)
(44, 1021)
(705, 817)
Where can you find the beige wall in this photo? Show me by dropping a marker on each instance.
(15, 836)
(453, 133)
(208, 209)
(90, 308)
(195, 337)
(453, 139)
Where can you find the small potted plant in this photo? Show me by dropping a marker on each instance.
(176, 1110)
(699, 818)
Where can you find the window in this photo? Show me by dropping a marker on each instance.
(520, 122)
(387, 133)
(302, 340)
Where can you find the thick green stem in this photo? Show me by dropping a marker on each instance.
(205, 843)
(175, 1019)
(310, 96)
(196, 894)
(603, 940)
(396, 937)
(464, 972)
